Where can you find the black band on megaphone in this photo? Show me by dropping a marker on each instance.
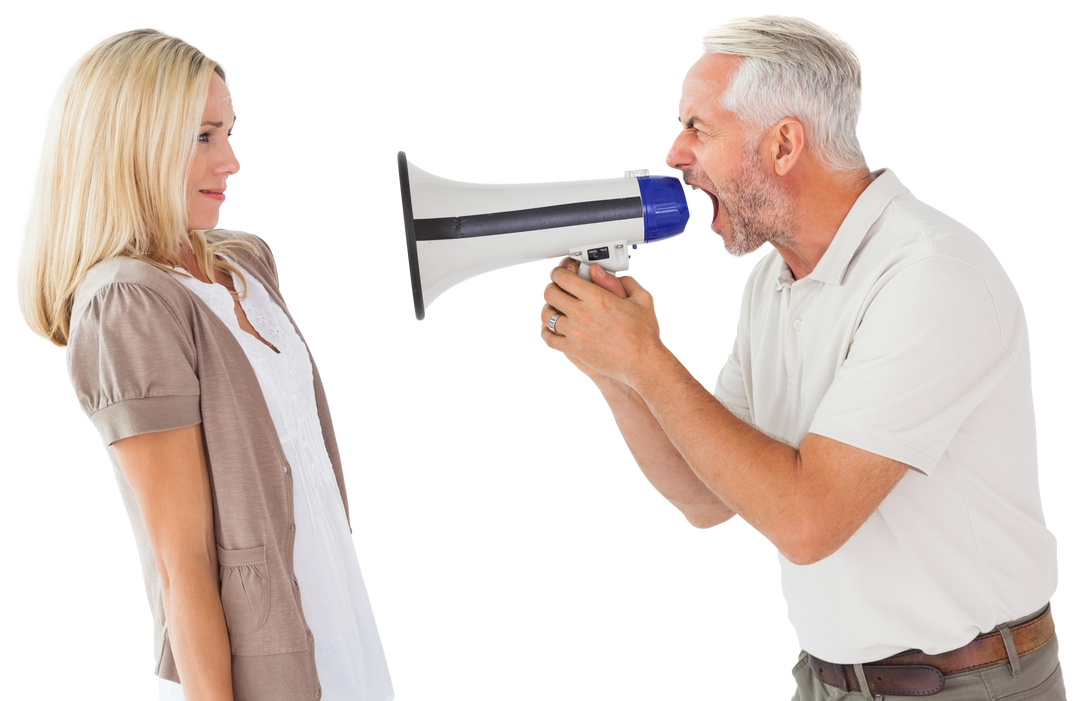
(535, 219)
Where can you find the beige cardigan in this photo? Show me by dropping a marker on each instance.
(145, 355)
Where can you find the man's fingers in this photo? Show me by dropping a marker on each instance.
(632, 287)
(599, 277)
(607, 281)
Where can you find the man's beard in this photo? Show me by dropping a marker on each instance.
(757, 207)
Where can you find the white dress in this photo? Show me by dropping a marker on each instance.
(348, 653)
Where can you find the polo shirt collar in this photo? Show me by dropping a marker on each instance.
(866, 210)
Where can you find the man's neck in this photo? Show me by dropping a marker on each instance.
(822, 202)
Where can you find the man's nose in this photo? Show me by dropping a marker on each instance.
(679, 157)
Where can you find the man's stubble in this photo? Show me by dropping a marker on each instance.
(757, 207)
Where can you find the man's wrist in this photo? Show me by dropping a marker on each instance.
(656, 367)
(613, 391)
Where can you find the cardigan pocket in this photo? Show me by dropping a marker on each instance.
(245, 589)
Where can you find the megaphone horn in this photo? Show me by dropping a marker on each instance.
(457, 230)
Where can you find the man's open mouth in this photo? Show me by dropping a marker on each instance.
(714, 205)
(712, 197)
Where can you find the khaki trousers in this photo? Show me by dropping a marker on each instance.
(1039, 679)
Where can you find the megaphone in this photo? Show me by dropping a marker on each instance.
(457, 230)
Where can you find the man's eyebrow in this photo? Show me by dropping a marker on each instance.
(689, 122)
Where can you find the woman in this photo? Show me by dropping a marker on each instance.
(183, 355)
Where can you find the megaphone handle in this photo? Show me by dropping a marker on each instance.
(583, 270)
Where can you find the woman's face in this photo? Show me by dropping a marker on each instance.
(214, 160)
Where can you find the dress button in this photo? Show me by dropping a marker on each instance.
(797, 324)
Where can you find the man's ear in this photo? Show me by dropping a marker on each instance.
(787, 145)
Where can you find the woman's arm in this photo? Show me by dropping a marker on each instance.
(167, 472)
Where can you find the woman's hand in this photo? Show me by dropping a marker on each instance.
(167, 473)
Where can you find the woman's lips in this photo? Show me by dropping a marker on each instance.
(218, 195)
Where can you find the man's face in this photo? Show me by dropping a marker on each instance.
(719, 155)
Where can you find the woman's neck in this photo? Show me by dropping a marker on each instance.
(191, 265)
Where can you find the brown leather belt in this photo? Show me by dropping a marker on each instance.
(915, 673)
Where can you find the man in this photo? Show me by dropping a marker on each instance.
(874, 420)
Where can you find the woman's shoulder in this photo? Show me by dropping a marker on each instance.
(127, 293)
(250, 251)
(248, 243)
(130, 273)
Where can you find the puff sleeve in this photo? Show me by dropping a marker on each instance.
(132, 363)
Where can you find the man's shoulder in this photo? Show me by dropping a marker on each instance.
(914, 231)
(920, 256)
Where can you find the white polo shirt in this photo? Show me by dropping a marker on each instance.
(907, 340)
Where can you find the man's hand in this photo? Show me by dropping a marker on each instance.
(606, 328)
(606, 281)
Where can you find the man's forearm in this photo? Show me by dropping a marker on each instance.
(659, 460)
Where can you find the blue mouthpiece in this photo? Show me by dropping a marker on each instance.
(664, 205)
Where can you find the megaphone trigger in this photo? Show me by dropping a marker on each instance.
(612, 256)
(457, 230)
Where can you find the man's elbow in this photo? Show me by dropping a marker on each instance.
(700, 518)
(804, 557)
(807, 547)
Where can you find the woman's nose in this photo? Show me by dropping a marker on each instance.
(231, 162)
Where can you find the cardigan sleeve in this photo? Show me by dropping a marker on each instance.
(133, 363)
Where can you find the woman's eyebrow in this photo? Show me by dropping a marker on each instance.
(218, 124)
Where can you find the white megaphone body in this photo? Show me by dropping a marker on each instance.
(458, 230)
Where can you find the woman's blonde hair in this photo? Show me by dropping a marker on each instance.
(113, 175)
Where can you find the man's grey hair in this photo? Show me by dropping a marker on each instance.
(793, 68)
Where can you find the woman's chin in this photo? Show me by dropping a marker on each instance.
(202, 225)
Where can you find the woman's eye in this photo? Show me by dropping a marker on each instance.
(204, 137)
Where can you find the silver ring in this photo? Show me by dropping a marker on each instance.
(551, 322)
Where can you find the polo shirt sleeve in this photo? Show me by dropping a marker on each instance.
(934, 342)
(133, 364)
